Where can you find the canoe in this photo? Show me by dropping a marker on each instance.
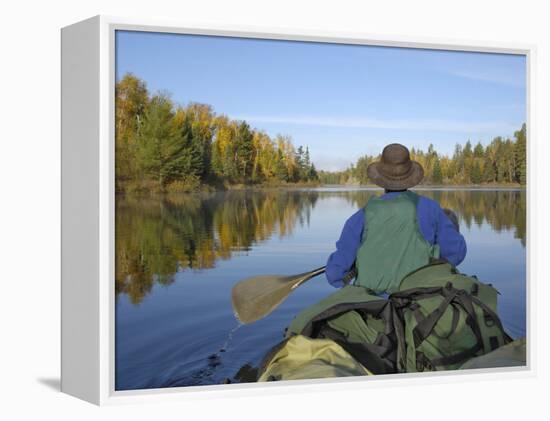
(300, 357)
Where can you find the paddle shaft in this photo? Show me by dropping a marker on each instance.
(309, 275)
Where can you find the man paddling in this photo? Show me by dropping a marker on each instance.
(395, 233)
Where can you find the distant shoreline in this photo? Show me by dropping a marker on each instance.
(301, 186)
(438, 186)
(315, 186)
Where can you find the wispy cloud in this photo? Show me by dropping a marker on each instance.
(492, 77)
(392, 124)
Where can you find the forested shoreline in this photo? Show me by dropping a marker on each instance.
(162, 147)
(502, 162)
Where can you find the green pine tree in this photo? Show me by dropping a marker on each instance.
(437, 176)
(478, 150)
(243, 151)
(489, 172)
(280, 170)
(160, 145)
(520, 151)
(475, 175)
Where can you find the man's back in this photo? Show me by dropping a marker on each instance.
(402, 235)
(392, 245)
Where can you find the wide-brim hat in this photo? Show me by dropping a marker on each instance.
(395, 170)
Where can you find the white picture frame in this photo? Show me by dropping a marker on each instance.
(88, 79)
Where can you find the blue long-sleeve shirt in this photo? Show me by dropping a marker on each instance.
(435, 226)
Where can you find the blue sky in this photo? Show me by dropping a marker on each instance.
(340, 100)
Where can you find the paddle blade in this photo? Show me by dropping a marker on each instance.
(256, 297)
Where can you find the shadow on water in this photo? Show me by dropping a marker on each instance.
(53, 383)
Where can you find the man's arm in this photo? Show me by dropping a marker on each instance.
(452, 245)
(341, 261)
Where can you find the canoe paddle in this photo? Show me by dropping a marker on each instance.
(256, 297)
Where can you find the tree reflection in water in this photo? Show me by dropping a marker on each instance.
(157, 237)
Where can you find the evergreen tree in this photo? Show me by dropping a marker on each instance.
(520, 151)
(202, 124)
(312, 174)
(281, 169)
(160, 147)
(476, 173)
(191, 161)
(478, 150)
(243, 151)
(300, 164)
(489, 172)
(467, 151)
(437, 176)
(307, 161)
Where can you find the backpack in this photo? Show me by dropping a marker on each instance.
(359, 322)
(437, 320)
(299, 357)
(445, 318)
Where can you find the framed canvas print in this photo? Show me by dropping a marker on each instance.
(247, 210)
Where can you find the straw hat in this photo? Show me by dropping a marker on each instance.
(395, 170)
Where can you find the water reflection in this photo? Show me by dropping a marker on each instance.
(501, 209)
(158, 237)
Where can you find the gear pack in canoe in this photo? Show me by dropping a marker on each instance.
(438, 319)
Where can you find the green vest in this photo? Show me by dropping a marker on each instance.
(392, 244)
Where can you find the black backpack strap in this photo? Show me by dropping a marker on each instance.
(488, 313)
(379, 358)
(419, 317)
(466, 301)
(454, 324)
(399, 331)
(423, 329)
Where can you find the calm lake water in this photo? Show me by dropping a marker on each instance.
(178, 258)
